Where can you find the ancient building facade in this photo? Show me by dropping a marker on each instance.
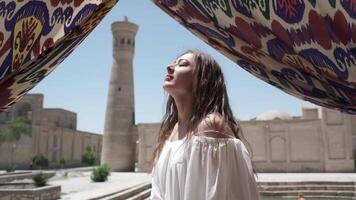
(53, 134)
(321, 140)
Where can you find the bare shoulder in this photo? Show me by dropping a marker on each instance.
(214, 125)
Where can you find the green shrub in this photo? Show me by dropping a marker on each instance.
(100, 173)
(62, 162)
(40, 179)
(11, 168)
(39, 161)
(88, 158)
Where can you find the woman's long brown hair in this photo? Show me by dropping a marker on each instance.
(210, 96)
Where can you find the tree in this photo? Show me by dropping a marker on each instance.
(13, 131)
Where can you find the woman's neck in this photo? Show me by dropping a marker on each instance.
(184, 107)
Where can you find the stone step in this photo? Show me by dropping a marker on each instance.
(310, 197)
(316, 197)
(272, 197)
(270, 183)
(307, 187)
(142, 195)
(15, 173)
(309, 193)
(130, 192)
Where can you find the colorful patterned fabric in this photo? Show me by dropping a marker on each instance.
(36, 36)
(305, 48)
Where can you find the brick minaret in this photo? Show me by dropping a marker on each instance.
(118, 150)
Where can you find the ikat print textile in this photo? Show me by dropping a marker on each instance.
(36, 36)
(305, 48)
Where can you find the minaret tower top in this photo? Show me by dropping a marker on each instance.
(125, 24)
(124, 33)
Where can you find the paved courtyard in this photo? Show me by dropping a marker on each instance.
(78, 185)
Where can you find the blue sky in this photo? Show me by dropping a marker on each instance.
(80, 83)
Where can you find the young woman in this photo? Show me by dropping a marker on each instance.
(200, 155)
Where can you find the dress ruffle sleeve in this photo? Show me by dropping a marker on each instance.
(219, 168)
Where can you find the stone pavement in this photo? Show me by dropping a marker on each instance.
(78, 185)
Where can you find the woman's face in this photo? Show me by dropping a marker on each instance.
(180, 76)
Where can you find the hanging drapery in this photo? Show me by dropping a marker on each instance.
(36, 36)
(305, 48)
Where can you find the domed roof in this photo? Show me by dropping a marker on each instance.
(274, 114)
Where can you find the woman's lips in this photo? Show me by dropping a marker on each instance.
(169, 77)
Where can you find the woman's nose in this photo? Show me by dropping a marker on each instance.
(170, 69)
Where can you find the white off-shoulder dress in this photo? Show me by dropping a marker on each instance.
(205, 168)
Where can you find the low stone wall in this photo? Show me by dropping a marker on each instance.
(8, 177)
(50, 192)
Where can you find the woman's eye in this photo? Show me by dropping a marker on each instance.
(183, 64)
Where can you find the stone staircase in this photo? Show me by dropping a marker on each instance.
(309, 189)
(138, 192)
(268, 190)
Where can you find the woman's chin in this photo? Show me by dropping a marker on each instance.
(167, 87)
(167, 84)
